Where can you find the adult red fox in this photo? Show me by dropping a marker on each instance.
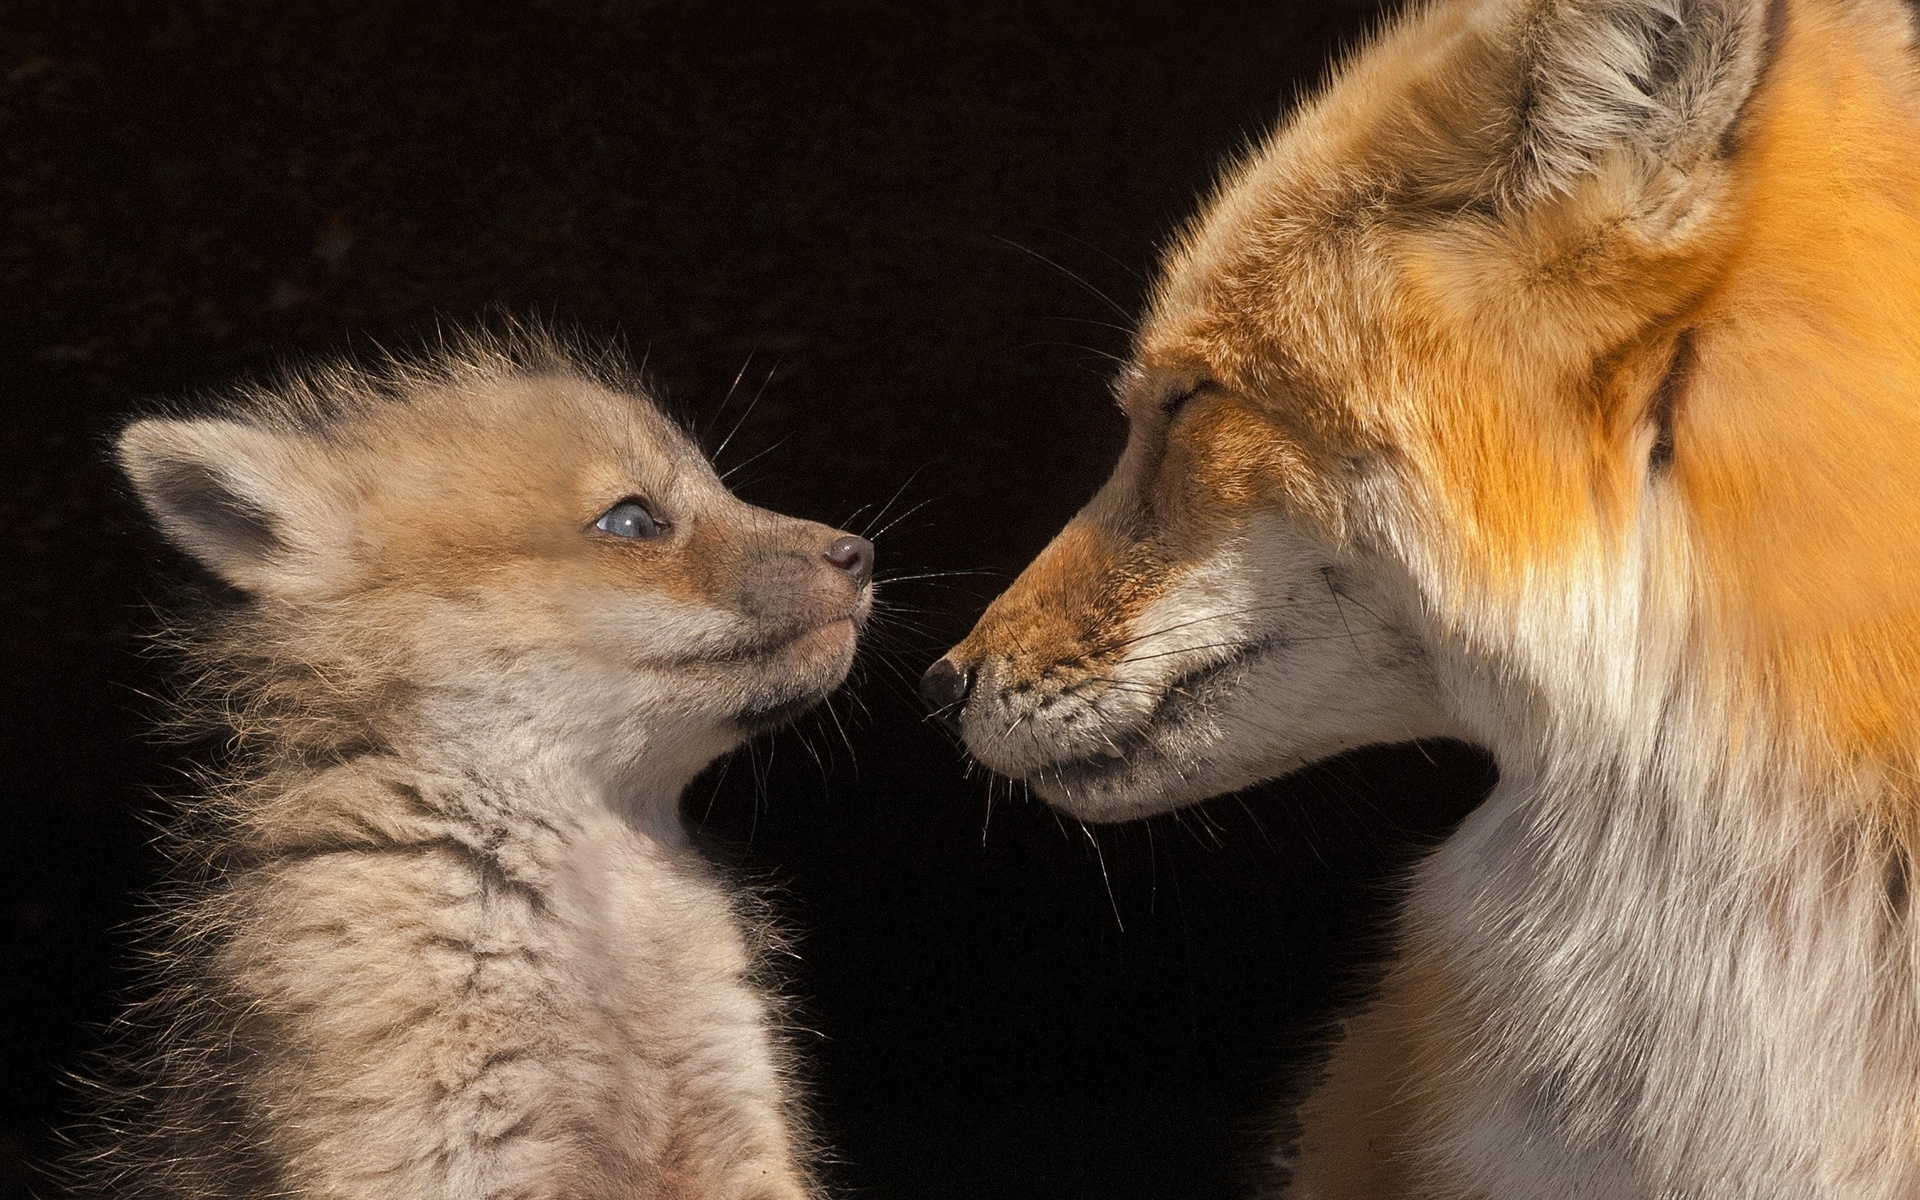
(1550, 381)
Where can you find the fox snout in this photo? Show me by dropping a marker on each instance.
(1033, 684)
(809, 578)
(804, 592)
(1118, 677)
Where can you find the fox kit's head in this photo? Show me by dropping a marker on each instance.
(1555, 368)
(498, 544)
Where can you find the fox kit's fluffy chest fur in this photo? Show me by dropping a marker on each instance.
(1551, 382)
(445, 936)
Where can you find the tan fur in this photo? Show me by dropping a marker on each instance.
(1362, 1125)
(442, 933)
(1550, 381)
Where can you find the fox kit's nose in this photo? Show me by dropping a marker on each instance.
(854, 555)
(944, 685)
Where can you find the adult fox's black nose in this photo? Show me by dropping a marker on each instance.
(944, 685)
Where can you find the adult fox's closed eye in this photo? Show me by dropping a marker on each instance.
(443, 934)
(1550, 381)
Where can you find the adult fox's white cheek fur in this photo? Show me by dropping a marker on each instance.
(443, 935)
(1550, 380)
(1264, 655)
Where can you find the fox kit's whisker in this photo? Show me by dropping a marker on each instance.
(953, 574)
(728, 397)
(881, 532)
(881, 514)
(748, 412)
(749, 461)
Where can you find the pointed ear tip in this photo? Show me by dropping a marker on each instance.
(145, 436)
(144, 440)
(133, 435)
(136, 447)
(161, 456)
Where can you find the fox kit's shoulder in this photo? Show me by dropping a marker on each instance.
(493, 611)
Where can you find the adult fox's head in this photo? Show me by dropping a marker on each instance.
(1551, 375)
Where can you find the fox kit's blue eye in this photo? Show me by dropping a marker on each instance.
(630, 519)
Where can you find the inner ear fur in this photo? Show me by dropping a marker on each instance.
(1621, 171)
(1614, 194)
(1663, 83)
(246, 502)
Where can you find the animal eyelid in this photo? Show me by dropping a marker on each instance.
(1178, 400)
(659, 523)
(1665, 397)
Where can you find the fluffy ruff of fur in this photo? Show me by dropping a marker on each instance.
(439, 932)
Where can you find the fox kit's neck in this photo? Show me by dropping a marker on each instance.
(637, 767)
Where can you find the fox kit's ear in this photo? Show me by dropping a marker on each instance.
(243, 500)
(1661, 84)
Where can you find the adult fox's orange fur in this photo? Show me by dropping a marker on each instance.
(1552, 381)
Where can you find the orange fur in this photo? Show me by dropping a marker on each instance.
(1573, 348)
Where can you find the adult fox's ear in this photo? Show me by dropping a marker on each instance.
(1655, 87)
(246, 502)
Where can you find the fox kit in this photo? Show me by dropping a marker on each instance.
(1551, 381)
(446, 936)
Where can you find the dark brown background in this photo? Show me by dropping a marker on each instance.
(853, 200)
